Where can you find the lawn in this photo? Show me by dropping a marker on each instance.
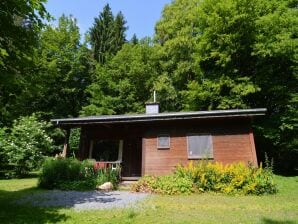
(202, 208)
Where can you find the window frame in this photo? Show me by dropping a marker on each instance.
(163, 147)
(211, 156)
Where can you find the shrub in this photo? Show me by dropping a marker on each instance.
(71, 174)
(170, 185)
(145, 184)
(56, 171)
(3, 142)
(25, 144)
(173, 184)
(108, 175)
(205, 176)
(234, 178)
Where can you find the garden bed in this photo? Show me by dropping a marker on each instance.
(71, 174)
(204, 176)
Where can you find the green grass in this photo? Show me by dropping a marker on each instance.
(202, 208)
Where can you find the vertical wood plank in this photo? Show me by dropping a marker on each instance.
(91, 149)
(120, 150)
(253, 148)
(66, 143)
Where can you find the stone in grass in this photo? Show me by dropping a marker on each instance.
(108, 186)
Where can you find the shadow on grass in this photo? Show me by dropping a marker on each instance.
(272, 221)
(10, 212)
(69, 199)
(3, 174)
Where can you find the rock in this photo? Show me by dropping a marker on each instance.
(105, 187)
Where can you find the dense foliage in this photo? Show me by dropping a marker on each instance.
(212, 177)
(21, 22)
(74, 141)
(169, 185)
(237, 54)
(123, 83)
(61, 73)
(205, 54)
(71, 174)
(234, 178)
(24, 145)
(107, 34)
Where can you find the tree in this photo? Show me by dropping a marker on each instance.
(74, 140)
(3, 143)
(124, 83)
(175, 33)
(134, 39)
(20, 24)
(237, 54)
(107, 34)
(119, 29)
(57, 85)
(166, 93)
(222, 93)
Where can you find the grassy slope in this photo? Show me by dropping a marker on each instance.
(204, 208)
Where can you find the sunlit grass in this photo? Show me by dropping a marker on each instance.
(17, 184)
(198, 208)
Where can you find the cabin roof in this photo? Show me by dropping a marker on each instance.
(142, 118)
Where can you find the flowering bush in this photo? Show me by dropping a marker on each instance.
(25, 144)
(205, 176)
(236, 178)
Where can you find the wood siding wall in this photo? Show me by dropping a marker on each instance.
(232, 142)
(162, 161)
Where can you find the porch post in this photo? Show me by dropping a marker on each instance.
(66, 140)
(91, 149)
(120, 150)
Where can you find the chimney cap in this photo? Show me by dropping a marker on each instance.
(152, 103)
(152, 108)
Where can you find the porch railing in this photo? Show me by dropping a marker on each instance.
(107, 164)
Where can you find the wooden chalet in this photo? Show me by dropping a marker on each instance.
(154, 143)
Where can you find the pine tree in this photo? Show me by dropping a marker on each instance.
(107, 34)
(134, 40)
(119, 29)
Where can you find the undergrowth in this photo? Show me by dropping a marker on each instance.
(236, 178)
(72, 174)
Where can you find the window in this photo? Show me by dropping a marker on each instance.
(199, 146)
(163, 142)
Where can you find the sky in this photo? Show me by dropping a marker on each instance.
(141, 15)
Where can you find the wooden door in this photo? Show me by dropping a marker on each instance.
(132, 157)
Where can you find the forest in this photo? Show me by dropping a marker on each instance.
(204, 55)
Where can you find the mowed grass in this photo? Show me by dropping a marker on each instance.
(199, 208)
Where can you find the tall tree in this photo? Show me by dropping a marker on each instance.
(134, 39)
(119, 29)
(175, 33)
(237, 54)
(123, 84)
(19, 26)
(57, 85)
(20, 23)
(107, 34)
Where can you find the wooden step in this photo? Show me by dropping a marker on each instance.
(130, 178)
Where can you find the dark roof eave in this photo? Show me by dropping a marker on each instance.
(142, 118)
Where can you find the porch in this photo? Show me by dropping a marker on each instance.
(110, 148)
